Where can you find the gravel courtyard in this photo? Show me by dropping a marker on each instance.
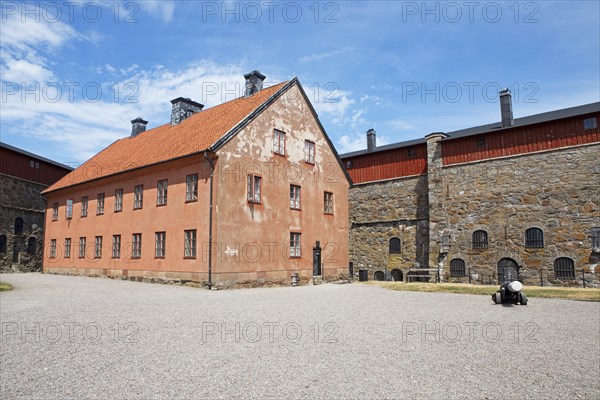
(77, 337)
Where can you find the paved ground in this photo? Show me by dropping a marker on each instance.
(77, 337)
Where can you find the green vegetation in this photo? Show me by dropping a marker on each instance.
(5, 287)
(531, 291)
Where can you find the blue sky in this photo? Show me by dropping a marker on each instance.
(72, 82)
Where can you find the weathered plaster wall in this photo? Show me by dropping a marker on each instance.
(253, 239)
(177, 216)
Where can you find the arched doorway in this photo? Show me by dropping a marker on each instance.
(379, 276)
(397, 275)
(31, 246)
(507, 270)
(18, 226)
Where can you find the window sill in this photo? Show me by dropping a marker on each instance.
(295, 209)
(118, 211)
(279, 154)
(136, 257)
(159, 257)
(309, 163)
(328, 213)
(100, 213)
(191, 201)
(138, 208)
(296, 257)
(254, 202)
(189, 258)
(161, 205)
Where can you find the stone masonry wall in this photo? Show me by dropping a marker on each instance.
(21, 199)
(556, 191)
(382, 210)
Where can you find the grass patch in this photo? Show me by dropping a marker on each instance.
(531, 291)
(4, 287)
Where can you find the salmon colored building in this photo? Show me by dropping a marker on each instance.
(247, 192)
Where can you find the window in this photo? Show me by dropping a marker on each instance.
(2, 244)
(31, 246)
(68, 248)
(411, 153)
(394, 245)
(161, 190)
(84, 206)
(254, 188)
(349, 164)
(295, 245)
(116, 246)
(295, 197)
(590, 123)
(136, 246)
(480, 239)
(379, 276)
(100, 204)
(138, 197)
(31, 163)
(309, 152)
(279, 142)
(191, 187)
(82, 244)
(595, 238)
(69, 209)
(53, 248)
(118, 200)
(18, 226)
(37, 165)
(54, 211)
(564, 268)
(190, 244)
(534, 237)
(481, 143)
(328, 203)
(160, 244)
(457, 267)
(98, 247)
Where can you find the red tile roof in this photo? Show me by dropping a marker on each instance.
(166, 142)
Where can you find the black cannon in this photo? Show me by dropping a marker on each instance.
(511, 287)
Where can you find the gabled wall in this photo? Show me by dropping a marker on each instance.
(253, 239)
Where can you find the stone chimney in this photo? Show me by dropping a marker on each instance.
(183, 108)
(506, 108)
(138, 126)
(371, 140)
(254, 83)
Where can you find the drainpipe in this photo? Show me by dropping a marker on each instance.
(210, 221)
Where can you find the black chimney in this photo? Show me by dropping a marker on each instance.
(371, 140)
(138, 126)
(506, 108)
(254, 83)
(183, 108)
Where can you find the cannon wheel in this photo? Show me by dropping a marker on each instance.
(497, 297)
(522, 299)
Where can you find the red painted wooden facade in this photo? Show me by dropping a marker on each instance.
(388, 164)
(396, 163)
(520, 140)
(20, 165)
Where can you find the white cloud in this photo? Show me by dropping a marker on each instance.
(82, 127)
(327, 54)
(163, 9)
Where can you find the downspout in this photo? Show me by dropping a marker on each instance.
(210, 221)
